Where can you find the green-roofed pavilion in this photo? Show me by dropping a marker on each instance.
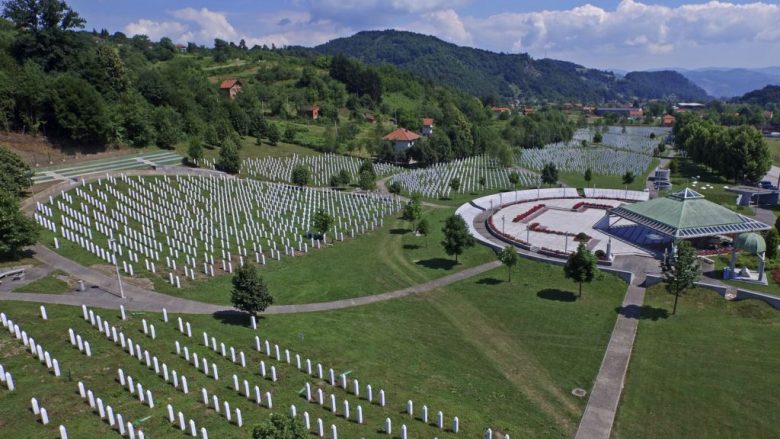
(687, 214)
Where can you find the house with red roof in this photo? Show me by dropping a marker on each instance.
(311, 111)
(230, 87)
(667, 120)
(402, 138)
(427, 126)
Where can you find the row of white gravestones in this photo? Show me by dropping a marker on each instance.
(489, 434)
(223, 350)
(29, 343)
(40, 411)
(245, 390)
(345, 411)
(135, 351)
(439, 416)
(200, 363)
(7, 378)
(268, 373)
(77, 341)
(320, 426)
(185, 426)
(106, 413)
(137, 389)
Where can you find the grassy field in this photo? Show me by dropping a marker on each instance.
(490, 352)
(774, 150)
(49, 284)
(709, 372)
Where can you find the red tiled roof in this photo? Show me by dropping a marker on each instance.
(229, 83)
(500, 109)
(402, 134)
(427, 121)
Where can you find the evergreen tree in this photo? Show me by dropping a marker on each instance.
(15, 174)
(424, 229)
(628, 178)
(549, 174)
(322, 222)
(412, 210)
(580, 266)
(195, 151)
(229, 159)
(250, 293)
(273, 134)
(367, 180)
(771, 239)
(455, 183)
(395, 188)
(588, 176)
(456, 236)
(680, 271)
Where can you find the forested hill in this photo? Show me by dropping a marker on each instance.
(766, 96)
(485, 73)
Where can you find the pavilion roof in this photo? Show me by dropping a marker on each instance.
(687, 214)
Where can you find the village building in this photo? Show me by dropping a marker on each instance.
(311, 111)
(427, 126)
(667, 120)
(230, 87)
(402, 138)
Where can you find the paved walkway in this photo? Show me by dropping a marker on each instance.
(103, 291)
(599, 415)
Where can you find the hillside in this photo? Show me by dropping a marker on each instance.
(727, 83)
(763, 97)
(485, 73)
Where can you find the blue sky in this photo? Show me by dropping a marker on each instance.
(625, 34)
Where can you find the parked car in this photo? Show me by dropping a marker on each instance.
(765, 184)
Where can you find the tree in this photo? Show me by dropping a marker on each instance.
(549, 174)
(580, 266)
(424, 228)
(15, 174)
(482, 182)
(456, 236)
(412, 210)
(79, 110)
(16, 230)
(395, 188)
(195, 150)
(777, 224)
(673, 166)
(367, 180)
(455, 183)
(514, 179)
(628, 178)
(508, 256)
(588, 176)
(229, 160)
(250, 292)
(771, 239)
(322, 222)
(344, 177)
(280, 426)
(273, 134)
(598, 137)
(301, 175)
(680, 271)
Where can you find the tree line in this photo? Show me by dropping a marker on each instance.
(739, 153)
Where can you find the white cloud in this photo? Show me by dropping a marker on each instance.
(445, 24)
(211, 24)
(632, 26)
(155, 29)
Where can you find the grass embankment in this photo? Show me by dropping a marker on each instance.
(49, 284)
(490, 352)
(708, 372)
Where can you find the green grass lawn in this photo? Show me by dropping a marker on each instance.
(774, 150)
(49, 284)
(709, 372)
(383, 260)
(490, 352)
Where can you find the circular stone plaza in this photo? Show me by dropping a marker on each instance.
(610, 222)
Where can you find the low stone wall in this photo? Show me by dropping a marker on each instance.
(773, 301)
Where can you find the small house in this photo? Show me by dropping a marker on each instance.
(402, 138)
(499, 110)
(667, 120)
(230, 87)
(311, 111)
(427, 126)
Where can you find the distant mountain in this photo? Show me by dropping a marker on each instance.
(767, 95)
(727, 83)
(485, 73)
